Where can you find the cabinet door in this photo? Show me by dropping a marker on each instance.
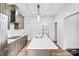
(20, 21)
(12, 17)
(4, 8)
(16, 25)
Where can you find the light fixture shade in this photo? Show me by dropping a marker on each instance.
(38, 18)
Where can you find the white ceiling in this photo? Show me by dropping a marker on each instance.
(46, 9)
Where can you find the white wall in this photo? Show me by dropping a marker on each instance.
(63, 40)
(16, 33)
(47, 21)
(30, 26)
(72, 32)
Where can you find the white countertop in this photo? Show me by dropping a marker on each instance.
(41, 43)
(12, 40)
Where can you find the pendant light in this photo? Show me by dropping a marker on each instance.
(38, 17)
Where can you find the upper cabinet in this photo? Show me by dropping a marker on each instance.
(20, 21)
(4, 9)
(14, 17)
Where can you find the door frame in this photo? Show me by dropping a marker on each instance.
(55, 31)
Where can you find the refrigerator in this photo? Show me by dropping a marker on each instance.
(3, 34)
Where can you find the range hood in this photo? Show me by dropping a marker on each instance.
(14, 12)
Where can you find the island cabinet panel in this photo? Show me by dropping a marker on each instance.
(16, 46)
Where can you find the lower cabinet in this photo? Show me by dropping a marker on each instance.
(15, 47)
(4, 52)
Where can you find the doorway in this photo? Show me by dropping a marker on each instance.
(56, 32)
